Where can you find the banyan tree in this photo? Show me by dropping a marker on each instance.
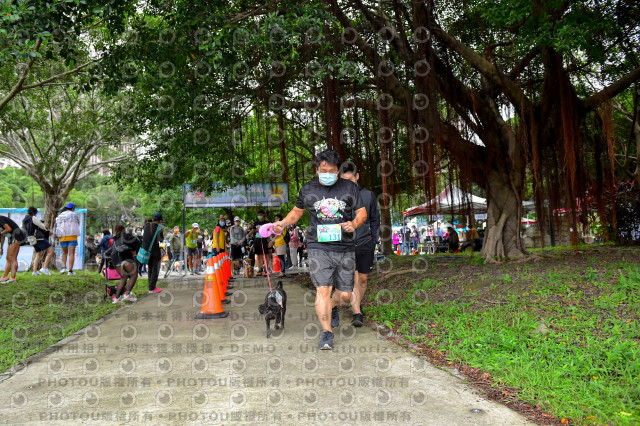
(512, 97)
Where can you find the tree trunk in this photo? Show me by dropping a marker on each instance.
(504, 210)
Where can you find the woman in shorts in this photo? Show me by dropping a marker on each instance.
(16, 238)
(36, 229)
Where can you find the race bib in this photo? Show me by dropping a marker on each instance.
(329, 233)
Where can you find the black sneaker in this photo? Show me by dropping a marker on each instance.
(335, 318)
(326, 341)
(358, 320)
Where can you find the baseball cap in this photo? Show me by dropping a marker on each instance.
(236, 219)
(157, 216)
(70, 205)
(195, 225)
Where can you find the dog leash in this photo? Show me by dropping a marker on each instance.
(266, 266)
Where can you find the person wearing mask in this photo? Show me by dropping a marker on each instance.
(415, 238)
(33, 227)
(155, 257)
(16, 237)
(261, 245)
(396, 241)
(335, 212)
(191, 241)
(67, 231)
(237, 237)
(123, 250)
(142, 268)
(295, 246)
(219, 244)
(367, 237)
(280, 246)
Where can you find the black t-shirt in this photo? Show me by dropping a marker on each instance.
(5, 220)
(329, 205)
(257, 224)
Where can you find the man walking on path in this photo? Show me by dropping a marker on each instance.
(191, 241)
(335, 211)
(155, 257)
(367, 237)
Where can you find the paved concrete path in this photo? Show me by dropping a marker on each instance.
(153, 362)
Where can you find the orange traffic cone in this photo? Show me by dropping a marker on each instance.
(221, 275)
(221, 284)
(398, 252)
(227, 266)
(227, 263)
(211, 303)
(277, 268)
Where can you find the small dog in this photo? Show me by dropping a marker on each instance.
(274, 307)
(248, 271)
(235, 265)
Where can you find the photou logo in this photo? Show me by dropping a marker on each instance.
(237, 399)
(309, 398)
(165, 332)
(275, 397)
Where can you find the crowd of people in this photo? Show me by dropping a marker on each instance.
(340, 243)
(241, 240)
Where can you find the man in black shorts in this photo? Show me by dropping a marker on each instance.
(261, 245)
(335, 212)
(367, 237)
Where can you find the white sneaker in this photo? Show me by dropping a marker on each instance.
(71, 273)
(45, 271)
(63, 270)
(115, 300)
(35, 274)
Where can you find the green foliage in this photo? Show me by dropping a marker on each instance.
(586, 368)
(36, 312)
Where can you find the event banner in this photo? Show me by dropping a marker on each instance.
(256, 194)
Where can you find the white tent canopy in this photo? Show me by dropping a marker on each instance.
(451, 200)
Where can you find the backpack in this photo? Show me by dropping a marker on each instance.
(121, 245)
(287, 238)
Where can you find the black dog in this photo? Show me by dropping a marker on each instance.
(274, 307)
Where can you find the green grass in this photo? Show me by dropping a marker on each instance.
(36, 312)
(587, 368)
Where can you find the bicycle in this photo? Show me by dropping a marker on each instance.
(175, 266)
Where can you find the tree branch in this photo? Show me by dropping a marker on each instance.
(485, 67)
(611, 91)
(57, 77)
(17, 88)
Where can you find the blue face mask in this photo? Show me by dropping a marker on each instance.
(222, 223)
(328, 179)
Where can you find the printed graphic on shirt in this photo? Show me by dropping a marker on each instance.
(329, 208)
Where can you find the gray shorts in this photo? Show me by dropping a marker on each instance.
(332, 268)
